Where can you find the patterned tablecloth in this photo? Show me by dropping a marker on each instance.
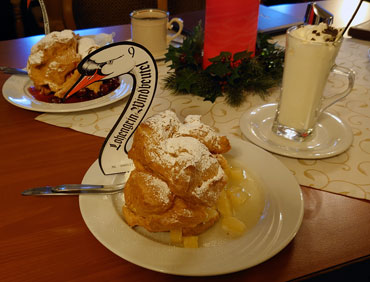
(347, 173)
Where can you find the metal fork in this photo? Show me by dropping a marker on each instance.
(74, 189)
(13, 70)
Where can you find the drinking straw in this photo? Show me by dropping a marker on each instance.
(350, 21)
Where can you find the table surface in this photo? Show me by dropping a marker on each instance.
(45, 239)
(342, 10)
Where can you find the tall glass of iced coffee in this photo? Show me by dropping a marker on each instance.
(309, 58)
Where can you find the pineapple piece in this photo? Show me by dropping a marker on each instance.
(236, 175)
(228, 172)
(190, 241)
(233, 226)
(223, 204)
(212, 212)
(249, 184)
(176, 236)
(237, 195)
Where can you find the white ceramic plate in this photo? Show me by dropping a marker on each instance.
(331, 135)
(15, 91)
(281, 219)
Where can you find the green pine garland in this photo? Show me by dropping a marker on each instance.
(232, 76)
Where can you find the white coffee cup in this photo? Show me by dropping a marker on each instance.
(149, 28)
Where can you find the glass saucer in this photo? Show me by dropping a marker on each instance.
(331, 135)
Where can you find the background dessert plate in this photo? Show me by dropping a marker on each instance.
(331, 135)
(218, 254)
(15, 91)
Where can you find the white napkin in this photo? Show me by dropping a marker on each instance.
(346, 174)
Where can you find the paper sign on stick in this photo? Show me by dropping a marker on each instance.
(121, 58)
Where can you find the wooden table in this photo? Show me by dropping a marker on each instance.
(341, 9)
(46, 239)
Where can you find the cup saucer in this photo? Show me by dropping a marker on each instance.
(157, 56)
(331, 135)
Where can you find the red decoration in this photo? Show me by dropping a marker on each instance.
(230, 26)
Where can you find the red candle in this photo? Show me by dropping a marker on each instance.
(230, 26)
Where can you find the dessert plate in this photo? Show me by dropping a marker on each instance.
(15, 91)
(331, 135)
(277, 226)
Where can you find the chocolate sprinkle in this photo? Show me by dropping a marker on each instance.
(331, 31)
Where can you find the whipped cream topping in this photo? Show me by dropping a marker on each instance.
(85, 46)
(37, 50)
(55, 36)
(320, 33)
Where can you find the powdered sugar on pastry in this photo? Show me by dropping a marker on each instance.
(177, 154)
(54, 60)
(162, 192)
(203, 191)
(193, 127)
(37, 50)
(184, 162)
(164, 124)
(186, 151)
(192, 124)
